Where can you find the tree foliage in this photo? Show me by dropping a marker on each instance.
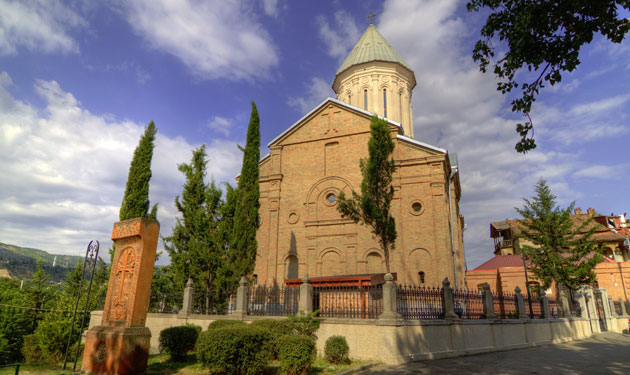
(544, 37)
(372, 207)
(195, 245)
(243, 244)
(562, 250)
(135, 202)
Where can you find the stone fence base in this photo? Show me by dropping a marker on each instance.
(405, 341)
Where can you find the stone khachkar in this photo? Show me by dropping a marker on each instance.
(120, 345)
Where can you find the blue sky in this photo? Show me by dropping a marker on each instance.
(80, 79)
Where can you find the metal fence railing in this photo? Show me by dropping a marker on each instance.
(537, 310)
(554, 308)
(469, 303)
(505, 306)
(418, 302)
(273, 300)
(617, 305)
(364, 302)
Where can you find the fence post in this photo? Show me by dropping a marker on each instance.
(563, 300)
(545, 305)
(189, 293)
(488, 303)
(623, 307)
(520, 304)
(611, 305)
(448, 300)
(390, 313)
(306, 295)
(242, 298)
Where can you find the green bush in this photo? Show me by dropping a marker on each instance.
(52, 339)
(276, 328)
(225, 323)
(305, 324)
(296, 353)
(337, 349)
(178, 341)
(30, 349)
(236, 350)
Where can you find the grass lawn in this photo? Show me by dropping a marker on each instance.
(160, 365)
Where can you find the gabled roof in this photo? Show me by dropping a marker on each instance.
(372, 47)
(418, 143)
(501, 261)
(340, 103)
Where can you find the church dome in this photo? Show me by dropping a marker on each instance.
(372, 47)
(375, 78)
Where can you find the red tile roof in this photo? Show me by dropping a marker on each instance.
(500, 261)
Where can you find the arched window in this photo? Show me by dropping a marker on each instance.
(255, 277)
(385, 103)
(365, 100)
(421, 277)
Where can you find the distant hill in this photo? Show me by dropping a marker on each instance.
(21, 262)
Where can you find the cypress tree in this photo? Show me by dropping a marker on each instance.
(194, 245)
(135, 202)
(372, 207)
(243, 242)
(562, 250)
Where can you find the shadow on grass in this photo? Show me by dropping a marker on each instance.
(161, 364)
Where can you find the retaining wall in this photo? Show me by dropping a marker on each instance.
(405, 341)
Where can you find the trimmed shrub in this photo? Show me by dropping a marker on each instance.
(31, 350)
(236, 350)
(225, 323)
(306, 324)
(296, 353)
(276, 329)
(178, 341)
(337, 349)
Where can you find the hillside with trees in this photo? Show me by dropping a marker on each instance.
(21, 262)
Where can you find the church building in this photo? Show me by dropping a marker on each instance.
(314, 160)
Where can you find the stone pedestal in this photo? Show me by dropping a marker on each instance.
(120, 345)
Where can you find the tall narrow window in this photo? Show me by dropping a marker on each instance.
(365, 102)
(421, 277)
(385, 103)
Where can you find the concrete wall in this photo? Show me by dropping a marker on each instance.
(416, 340)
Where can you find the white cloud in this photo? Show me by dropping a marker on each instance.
(64, 170)
(316, 92)
(271, 7)
(341, 36)
(221, 125)
(215, 39)
(457, 107)
(39, 26)
(602, 171)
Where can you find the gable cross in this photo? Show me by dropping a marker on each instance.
(332, 126)
(125, 266)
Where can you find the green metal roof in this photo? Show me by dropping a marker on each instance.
(372, 47)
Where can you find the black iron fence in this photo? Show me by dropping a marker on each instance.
(536, 311)
(469, 303)
(418, 302)
(364, 302)
(505, 306)
(273, 300)
(554, 308)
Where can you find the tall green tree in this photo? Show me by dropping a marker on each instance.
(194, 245)
(243, 245)
(543, 37)
(561, 250)
(372, 207)
(135, 202)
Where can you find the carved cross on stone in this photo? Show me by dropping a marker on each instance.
(332, 126)
(125, 266)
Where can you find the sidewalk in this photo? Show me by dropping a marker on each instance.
(605, 353)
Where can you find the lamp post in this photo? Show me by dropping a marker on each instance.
(529, 294)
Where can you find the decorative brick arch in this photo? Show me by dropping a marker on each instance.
(331, 262)
(421, 260)
(330, 184)
(372, 263)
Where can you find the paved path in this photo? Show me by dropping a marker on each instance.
(606, 353)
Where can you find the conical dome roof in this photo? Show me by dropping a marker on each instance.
(372, 47)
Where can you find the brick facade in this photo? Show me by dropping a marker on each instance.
(302, 232)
